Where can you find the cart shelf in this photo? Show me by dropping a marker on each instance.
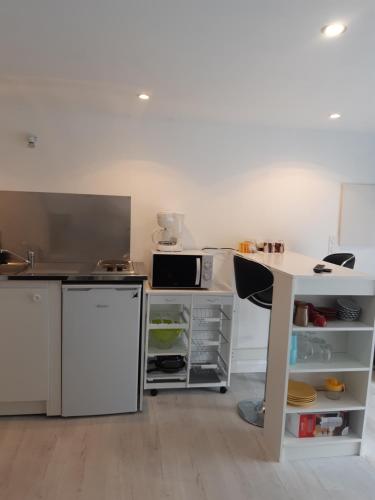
(165, 377)
(180, 348)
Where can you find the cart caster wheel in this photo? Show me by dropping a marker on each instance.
(154, 392)
(223, 390)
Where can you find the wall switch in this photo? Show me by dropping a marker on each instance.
(331, 243)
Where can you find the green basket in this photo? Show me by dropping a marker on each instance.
(164, 338)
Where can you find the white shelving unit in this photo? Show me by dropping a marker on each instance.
(206, 318)
(352, 345)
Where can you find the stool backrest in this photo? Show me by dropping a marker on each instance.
(341, 259)
(251, 277)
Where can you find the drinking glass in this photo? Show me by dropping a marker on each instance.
(322, 350)
(305, 347)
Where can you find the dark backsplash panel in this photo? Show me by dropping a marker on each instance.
(62, 227)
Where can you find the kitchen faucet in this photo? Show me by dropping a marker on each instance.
(31, 258)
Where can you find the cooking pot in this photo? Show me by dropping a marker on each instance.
(168, 364)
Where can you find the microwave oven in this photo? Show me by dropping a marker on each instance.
(187, 269)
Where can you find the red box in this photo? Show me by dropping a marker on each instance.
(318, 424)
(301, 425)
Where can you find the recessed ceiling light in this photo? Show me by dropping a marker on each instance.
(334, 116)
(334, 29)
(143, 97)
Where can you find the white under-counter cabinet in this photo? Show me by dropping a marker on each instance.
(188, 338)
(30, 347)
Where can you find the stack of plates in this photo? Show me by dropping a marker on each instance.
(301, 394)
(348, 310)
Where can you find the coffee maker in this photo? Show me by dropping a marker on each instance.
(168, 238)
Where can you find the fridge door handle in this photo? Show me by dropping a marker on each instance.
(198, 274)
(132, 290)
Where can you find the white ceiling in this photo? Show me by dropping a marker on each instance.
(258, 61)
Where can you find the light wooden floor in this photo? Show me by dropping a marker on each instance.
(185, 446)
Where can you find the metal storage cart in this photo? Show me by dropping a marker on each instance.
(201, 322)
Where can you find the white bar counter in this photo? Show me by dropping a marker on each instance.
(294, 279)
(299, 266)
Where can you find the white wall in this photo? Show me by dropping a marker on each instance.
(233, 181)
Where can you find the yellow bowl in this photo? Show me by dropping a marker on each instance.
(334, 385)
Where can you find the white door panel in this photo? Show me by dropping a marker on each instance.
(100, 346)
(24, 331)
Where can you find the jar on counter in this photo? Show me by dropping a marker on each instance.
(279, 246)
(248, 246)
(302, 314)
(252, 246)
(269, 247)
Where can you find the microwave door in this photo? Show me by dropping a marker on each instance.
(180, 271)
(198, 272)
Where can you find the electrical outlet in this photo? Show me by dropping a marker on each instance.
(331, 243)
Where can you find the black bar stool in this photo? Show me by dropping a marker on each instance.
(254, 282)
(341, 259)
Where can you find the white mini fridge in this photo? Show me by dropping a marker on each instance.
(100, 349)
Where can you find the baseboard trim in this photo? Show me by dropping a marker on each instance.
(23, 408)
(249, 360)
(249, 366)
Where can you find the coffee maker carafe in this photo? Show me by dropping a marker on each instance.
(168, 238)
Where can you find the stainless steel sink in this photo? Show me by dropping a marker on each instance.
(11, 263)
(51, 269)
(13, 267)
